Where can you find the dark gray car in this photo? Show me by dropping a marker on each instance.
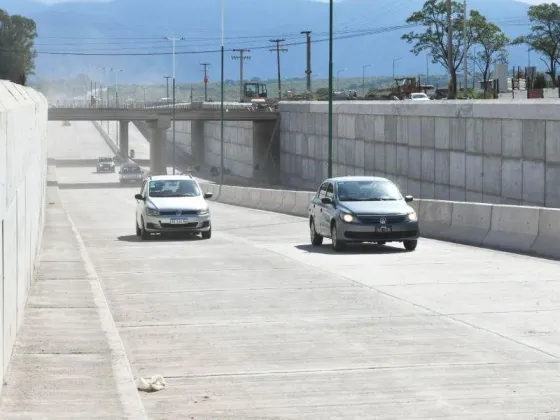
(362, 209)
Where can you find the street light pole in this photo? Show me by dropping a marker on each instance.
(364, 79)
(173, 40)
(465, 49)
(167, 89)
(338, 78)
(394, 60)
(222, 101)
(330, 162)
(116, 71)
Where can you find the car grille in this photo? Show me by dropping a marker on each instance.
(186, 225)
(373, 236)
(376, 220)
(174, 212)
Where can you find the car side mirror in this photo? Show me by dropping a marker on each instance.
(138, 197)
(326, 200)
(408, 198)
(120, 172)
(208, 195)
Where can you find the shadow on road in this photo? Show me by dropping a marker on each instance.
(353, 249)
(161, 238)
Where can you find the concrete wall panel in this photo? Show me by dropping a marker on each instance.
(23, 171)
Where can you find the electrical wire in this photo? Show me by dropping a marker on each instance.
(347, 35)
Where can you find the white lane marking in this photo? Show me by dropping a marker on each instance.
(124, 378)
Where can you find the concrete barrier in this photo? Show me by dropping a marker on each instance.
(547, 242)
(288, 202)
(23, 183)
(513, 228)
(435, 218)
(530, 230)
(470, 223)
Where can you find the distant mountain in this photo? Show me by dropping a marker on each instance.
(138, 26)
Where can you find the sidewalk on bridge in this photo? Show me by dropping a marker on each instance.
(68, 361)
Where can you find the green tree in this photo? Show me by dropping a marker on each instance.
(17, 50)
(433, 39)
(545, 35)
(490, 44)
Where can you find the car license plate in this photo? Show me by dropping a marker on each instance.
(179, 221)
(383, 229)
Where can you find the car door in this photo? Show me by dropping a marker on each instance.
(320, 210)
(313, 206)
(140, 203)
(328, 209)
(317, 207)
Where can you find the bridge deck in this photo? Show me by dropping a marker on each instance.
(149, 114)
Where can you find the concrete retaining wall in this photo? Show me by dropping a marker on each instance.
(480, 151)
(23, 177)
(528, 230)
(238, 144)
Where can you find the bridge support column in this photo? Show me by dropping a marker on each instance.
(123, 140)
(197, 140)
(266, 150)
(157, 146)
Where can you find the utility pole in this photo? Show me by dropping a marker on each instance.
(308, 71)
(364, 79)
(241, 58)
(451, 93)
(465, 48)
(167, 88)
(205, 65)
(278, 50)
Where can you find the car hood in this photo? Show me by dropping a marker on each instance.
(177, 203)
(376, 207)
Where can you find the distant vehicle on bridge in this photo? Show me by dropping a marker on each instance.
(105, 164)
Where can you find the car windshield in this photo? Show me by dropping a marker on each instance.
(367, 191)
(174, 188)
(131, 170)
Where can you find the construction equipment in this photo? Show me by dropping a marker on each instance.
(402, 88)
(255, 93)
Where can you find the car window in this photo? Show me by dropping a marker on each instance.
(330, 191)
(366, 190)
(131, 170)
(174, 188)
(323, 190)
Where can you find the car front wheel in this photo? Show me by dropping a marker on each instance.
(410, 245)
(145, 234)
(337, 244)
(207, 235)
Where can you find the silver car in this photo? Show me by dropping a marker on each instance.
(172, 204)
(362, 209)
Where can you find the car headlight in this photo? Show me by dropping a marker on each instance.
(347, 217)
(412, 217)
(202, 212)
(151, 212)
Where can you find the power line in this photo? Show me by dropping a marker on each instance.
(277, 49)
(241, 57)
(356, 34)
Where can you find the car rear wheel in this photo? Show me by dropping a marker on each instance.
(316, 239)
(410, 245)
(337, 244)
(207, 235)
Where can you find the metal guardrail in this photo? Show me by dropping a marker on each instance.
(156, 106)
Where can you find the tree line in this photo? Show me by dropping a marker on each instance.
(17, 47)
(484, 40)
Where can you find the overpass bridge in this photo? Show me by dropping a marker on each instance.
(159, 119)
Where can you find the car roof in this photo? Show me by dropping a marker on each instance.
(356, 178)
(171, 178)
(128, 164)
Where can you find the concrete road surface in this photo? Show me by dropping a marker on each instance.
(79, 140)
(255, 323)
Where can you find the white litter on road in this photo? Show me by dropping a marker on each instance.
(156, 383)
